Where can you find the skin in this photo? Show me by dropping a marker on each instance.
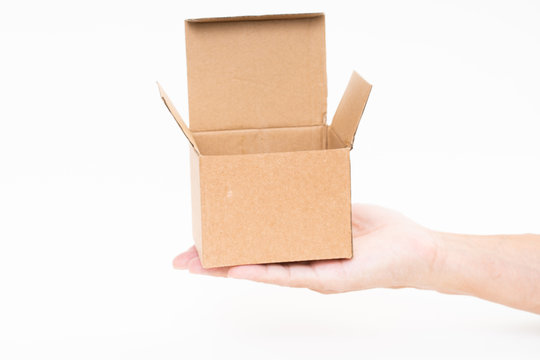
(391, 251)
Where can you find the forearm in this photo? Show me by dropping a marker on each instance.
(499, 268)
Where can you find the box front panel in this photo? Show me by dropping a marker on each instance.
(276, 207)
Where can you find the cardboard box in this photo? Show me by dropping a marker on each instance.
(270, 179)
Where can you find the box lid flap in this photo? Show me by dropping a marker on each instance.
(256, 71)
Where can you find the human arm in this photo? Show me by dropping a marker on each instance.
(501, 268)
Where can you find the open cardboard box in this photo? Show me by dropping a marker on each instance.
(270, 179)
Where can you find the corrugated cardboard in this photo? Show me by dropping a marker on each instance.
(270, 179)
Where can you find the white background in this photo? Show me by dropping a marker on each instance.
(95, 198)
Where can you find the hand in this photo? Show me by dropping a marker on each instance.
(389, 251)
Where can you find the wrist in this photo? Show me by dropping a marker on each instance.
(433, 254)
(451, 252)
(424, 265)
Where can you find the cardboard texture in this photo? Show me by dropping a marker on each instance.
(270, 179)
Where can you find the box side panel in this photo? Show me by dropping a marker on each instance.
(196, 200)
(265, 208)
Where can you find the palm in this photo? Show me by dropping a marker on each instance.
(389, 251)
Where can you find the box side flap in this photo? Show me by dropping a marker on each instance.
(350, 109)
(178, 118)
(244, 73)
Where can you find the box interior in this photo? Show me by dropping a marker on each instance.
(269, 140)
(257, 84)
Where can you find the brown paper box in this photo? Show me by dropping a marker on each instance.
(270, 179)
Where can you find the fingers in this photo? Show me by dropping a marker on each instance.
(293, 275)
(189, 260)
(195, 267)
(181, 261)
(302, 275)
